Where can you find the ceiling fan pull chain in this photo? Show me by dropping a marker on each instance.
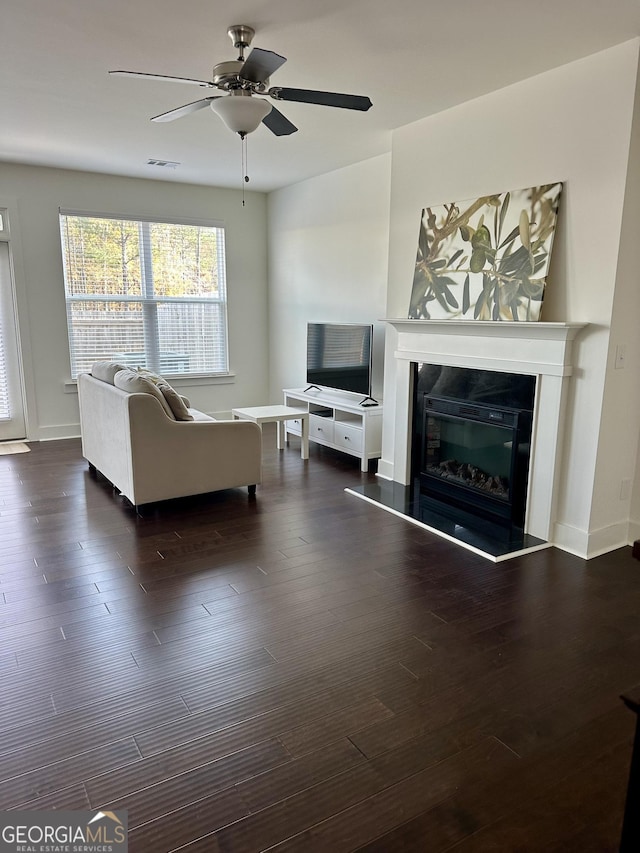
(245, 167)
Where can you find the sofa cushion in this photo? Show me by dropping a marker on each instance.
(134, 383)
(200, 416)
(106, 370)
(174, 400)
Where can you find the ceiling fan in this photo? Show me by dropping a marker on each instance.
(244, 79)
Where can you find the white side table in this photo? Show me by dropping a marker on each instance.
(278, 414)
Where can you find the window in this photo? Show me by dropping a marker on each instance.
(5, 409)
(147, 293)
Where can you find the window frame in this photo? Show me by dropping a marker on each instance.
(151, 302)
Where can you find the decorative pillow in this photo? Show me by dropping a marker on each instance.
(174, 400)
(129, 380)
(150, 375)
(106, 370)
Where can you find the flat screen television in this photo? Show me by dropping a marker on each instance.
(339, 356)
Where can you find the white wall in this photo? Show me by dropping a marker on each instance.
(35, 194)
(572, 124)
(328, 251)
(621, 412)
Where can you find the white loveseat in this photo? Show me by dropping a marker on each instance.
(134, 440)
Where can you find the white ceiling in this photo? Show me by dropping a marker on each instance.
(59, 106)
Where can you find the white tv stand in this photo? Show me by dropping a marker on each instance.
(337, 420)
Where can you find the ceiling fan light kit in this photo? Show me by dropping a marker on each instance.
(244, 81)
(240, 112)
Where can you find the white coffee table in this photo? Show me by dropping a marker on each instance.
(278, 414)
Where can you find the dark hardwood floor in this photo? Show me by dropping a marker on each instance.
(304, 671)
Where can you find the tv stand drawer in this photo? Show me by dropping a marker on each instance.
(321, 428)
(348, 437)
(294, 426)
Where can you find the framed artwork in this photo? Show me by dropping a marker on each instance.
(486, 258)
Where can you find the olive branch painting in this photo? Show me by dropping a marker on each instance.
(485, 259)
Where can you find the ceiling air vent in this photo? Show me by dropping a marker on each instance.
(165, 164)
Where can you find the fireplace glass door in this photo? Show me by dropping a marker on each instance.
(475, 457)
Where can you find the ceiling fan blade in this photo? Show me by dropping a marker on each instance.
(327, 99)
(162, 77)
(179, 112)
(260, 65)
(278, 123)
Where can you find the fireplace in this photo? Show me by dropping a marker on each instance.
(540, 351)
(471, 441)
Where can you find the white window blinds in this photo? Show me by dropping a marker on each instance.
(145, 293)
(5, 410)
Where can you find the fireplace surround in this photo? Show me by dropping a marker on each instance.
(538, 349)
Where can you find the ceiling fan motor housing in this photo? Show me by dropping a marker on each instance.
(226, 73)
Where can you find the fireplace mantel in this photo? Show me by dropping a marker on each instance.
(543, 350)
(516, 347)
(490, 329)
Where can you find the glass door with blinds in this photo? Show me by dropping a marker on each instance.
(12, 419)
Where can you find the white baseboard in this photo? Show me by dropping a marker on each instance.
(382, 477)
(634, 531)
(588, 544)
(54, 433)
(570, 539)
(385, 469)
